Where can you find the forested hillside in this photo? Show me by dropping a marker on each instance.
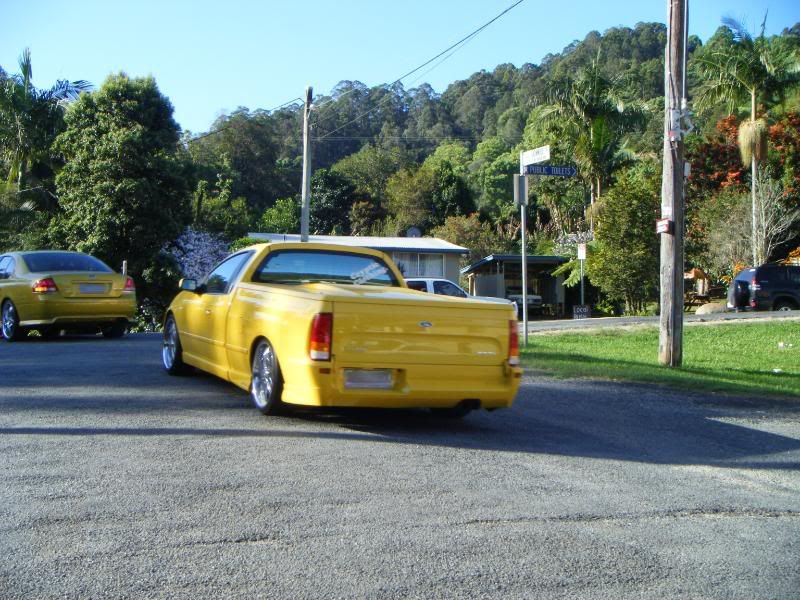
(391, 157)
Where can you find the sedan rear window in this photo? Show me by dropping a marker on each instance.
(309, 266)
(55, 262)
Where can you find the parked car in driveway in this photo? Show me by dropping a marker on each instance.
(768, 287)
(49, 290)
(445, 287)
(329, 325)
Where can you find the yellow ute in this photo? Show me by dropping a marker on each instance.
(50, 290)
(328, 325)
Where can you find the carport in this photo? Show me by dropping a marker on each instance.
(501, 274)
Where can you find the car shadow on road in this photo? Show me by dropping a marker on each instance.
(584, 419)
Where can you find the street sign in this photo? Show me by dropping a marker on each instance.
(581, 251)
(581, 311)
(551, 170)
(530, 157)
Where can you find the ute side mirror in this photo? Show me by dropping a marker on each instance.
(188, 285)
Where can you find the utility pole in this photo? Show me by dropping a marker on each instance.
(670, 342)
(306, 192)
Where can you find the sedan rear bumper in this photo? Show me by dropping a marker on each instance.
(54, 310)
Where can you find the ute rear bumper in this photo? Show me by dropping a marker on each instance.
(414, 386)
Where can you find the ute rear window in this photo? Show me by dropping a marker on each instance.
(56, 262)
(310, 266)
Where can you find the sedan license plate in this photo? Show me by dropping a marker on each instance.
(368, 379)
(92, 288)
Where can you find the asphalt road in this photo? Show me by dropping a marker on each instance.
(120, 481)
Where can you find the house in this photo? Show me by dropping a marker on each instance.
(501, 274)
(416, 256)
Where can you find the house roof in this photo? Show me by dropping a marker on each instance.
(514, 258)
(384, 244)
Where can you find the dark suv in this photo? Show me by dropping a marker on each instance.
(768, 287)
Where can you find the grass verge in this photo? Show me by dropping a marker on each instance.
(751, 359)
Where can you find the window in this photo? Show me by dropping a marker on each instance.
(406, 262)
(220, 279)
(59, 262)
(447, 288)
(420, 286)
(793, 274)
(307, 266)
(5, 261)
(431, 265)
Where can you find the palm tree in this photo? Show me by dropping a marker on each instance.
(590, 112)
(747, 69)
(30, 118)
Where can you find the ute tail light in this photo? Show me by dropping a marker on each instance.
(319, 341)
(130, 286)
(45, 286)
(513, 343)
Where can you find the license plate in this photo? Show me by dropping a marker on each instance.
(92, 288)
(368, 379)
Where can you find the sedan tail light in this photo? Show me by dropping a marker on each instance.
(319, 341)
(130, 286)
(45, 286)
(513, 343)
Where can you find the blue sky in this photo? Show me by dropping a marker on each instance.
(210, 57)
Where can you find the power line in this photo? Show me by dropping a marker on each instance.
(453, 47)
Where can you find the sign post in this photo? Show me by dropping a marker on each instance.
(521, 199)
(581, 311)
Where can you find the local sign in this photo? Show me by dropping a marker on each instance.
(531, 157)
(550, 170)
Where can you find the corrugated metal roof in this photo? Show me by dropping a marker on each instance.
(384, 244)
(517, 258)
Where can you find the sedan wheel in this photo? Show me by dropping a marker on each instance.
(266, 383)
(171, 351)
(10, 327)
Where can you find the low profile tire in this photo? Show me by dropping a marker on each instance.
(171, 351)
(11, 330)
(117, 330)
(266, 383)
(784, 305)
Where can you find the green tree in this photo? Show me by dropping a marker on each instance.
(331, 199)
(283, 217)
(470, 232)
(123, 190)
(738, 68)
(244, 144)
(590, 112)
(624, 261)
(30, 119)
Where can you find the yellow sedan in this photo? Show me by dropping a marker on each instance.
(50, 290)
(326, 325)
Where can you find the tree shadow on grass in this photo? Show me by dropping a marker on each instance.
(728, 381)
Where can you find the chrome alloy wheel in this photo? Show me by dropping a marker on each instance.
(169, 349)
(9, 321)
(263, 387)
